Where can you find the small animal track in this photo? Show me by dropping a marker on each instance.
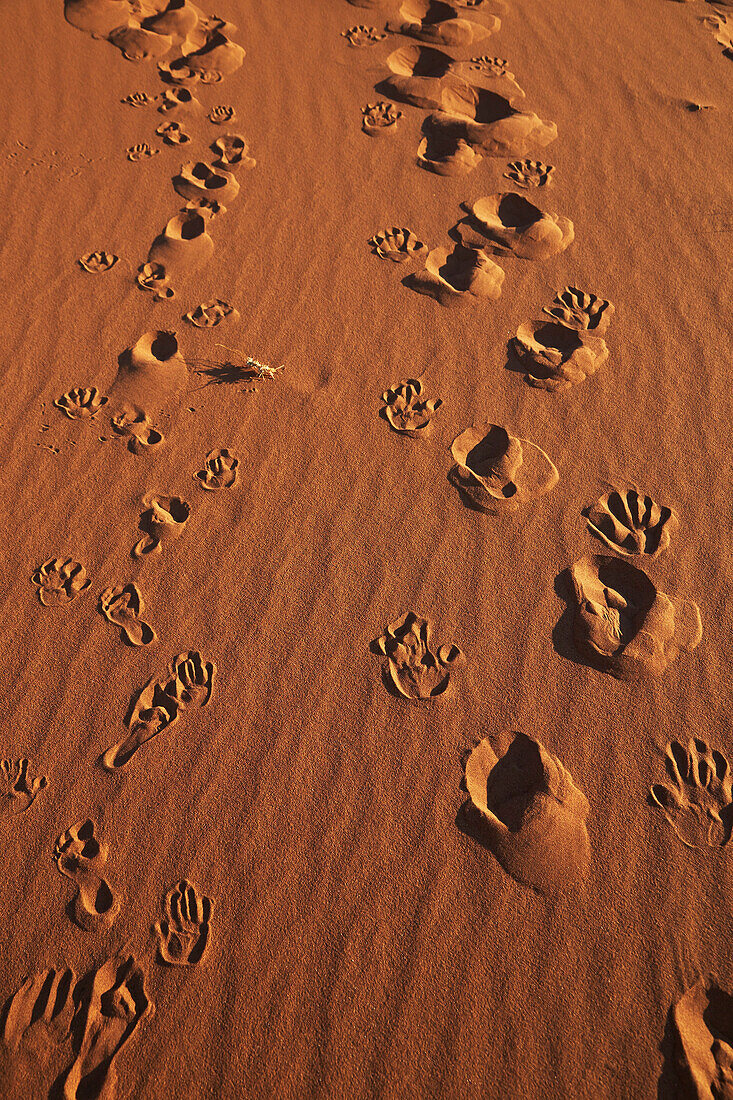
(183, 934)
(123, 606)
(80, 403)
(579, 310)
(232, 151)
(499, 472)
(210, 314)
(162, 521)
(17, 791)
(525, 808)
(172, 133)
(361, 36)
(412, 667)
(80, 856)
(530, 173)
(378, 117)
(221, 114)
(632, 523)
(220, 470)
(138, 99)
(160, 704)
(697, 801)
(141, 151)
(60, 581)
(97, 262)
(406, 409)
(398, 245)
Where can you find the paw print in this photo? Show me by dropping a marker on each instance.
(60, 581)
(183, 934)
(414, 670)
(80, 403)
(18, 792)
(220, 470)
(697, 801)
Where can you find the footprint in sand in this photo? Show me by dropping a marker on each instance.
(154, 277)
(530, 173)
(210, 314)
(398, 245)
(412, 669)
(556, 357)
(150, 374)
(138, 99)
(459, 275)
(525, 808)
(221, 114)
(207, 208)
(80, 856)
(59, 581)
(579, 310)
(703, 1027)
(486, 120)
(184, 244)
(41, 1012)
(378, 117)
(97, 262)
(137, 429)
(361, 36)
(630, 522)
(175, 99)
(172, 133)
(451, 158)
(722, 27)
(697, 800)
(113, 1004)
(623, 624)
(220, 470)
(232, 151)
(17, 790)
(198, 180)
(509, 223)
(162, 521)
(406, 410)
(141, 151)
(418, 75)
(123, 606)
(80, 403)
(434, 21)
(496, 472)
(160, 704)
(183, 934)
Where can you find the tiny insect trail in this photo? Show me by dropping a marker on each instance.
(231, 372)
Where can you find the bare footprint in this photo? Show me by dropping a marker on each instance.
(60, 581)
(116, 1003)
(17, 791)
(198, 180)
(183, 934)
(460, 275)
(232, 151)
(398, 245)
(406, 410)
(697, 800)
(632, 523)
(498, 472)
(556, 357)
(80, 856)
(220, 470)
(161, 703)
(446, 157)
(378, 117)
(123, 606)
(703, 1021)
(438, 22)
(155, 278)
(412, 668)
(175, 99)
(97, 262)
(525, 808)
(623, 624)
(530, 173)
(80, 403)
(162, 521)
(508, 222)
(150, 374)
(172, 133)
(43, 1004)
(136, 428)
(184, 244)
(210, 314)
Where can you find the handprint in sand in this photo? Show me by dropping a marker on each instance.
(183, 934)
(697, 799)
(18, 791)
(411, 667)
